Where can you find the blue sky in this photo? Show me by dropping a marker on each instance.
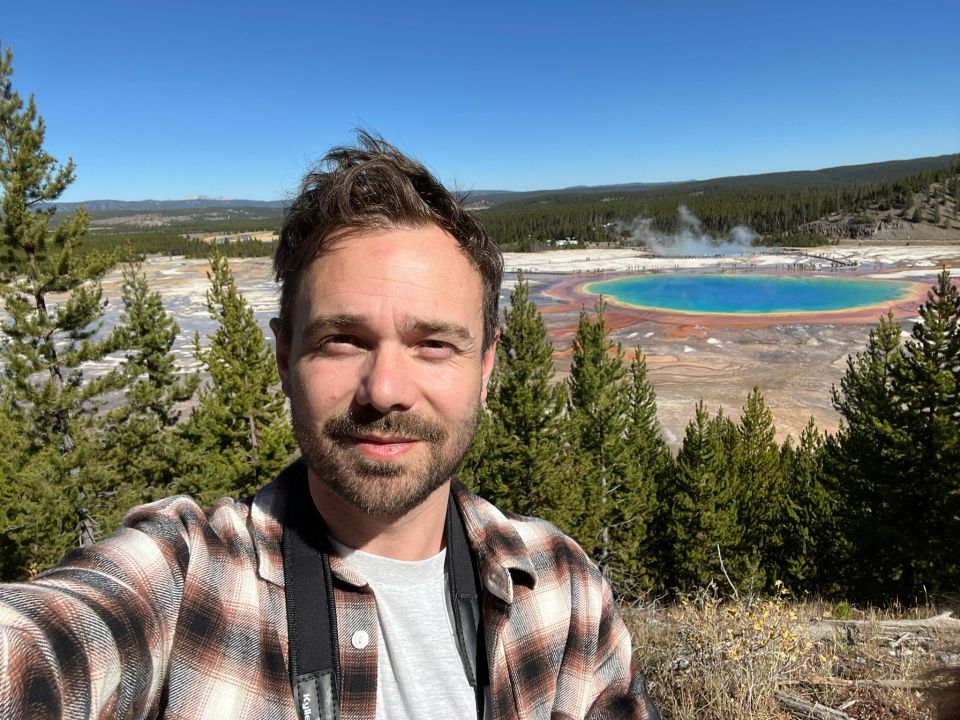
(237, 99)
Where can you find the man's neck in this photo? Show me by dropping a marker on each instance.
(418, 535)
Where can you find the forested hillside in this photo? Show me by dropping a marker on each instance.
(796, 208)
(780, 215)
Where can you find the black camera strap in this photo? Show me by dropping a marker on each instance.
(463, 578)
(312, 613)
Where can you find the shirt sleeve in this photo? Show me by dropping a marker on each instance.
(621, 688)
(91, 637)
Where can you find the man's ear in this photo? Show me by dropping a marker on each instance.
(486, 365)
(282, 353)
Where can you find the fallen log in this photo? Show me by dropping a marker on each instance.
(804, 710)
(917, 684)
(853, 629)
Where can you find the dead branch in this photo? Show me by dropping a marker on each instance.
(804, 710)
(733, 587)
(918, 684)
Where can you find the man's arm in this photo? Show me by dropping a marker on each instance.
(92, 636)
(622, 690)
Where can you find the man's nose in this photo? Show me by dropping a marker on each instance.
(387, 383)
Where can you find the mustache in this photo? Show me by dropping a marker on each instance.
(404, 424)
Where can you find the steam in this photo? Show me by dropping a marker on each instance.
(690, 238)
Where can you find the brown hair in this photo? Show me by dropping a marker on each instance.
(375, 187)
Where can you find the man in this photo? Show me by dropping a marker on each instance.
(363, 582)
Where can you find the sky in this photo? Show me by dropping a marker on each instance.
(238, 99)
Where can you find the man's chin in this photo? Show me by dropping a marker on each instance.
(370, 469)
(387, 489)
(383, 490)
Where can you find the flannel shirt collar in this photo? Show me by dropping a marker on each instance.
(503, 557)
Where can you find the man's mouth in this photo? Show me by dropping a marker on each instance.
(381, 447)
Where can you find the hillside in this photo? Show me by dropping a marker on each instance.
(845, 174)
(929, 214)
(164, 205)
(885, 201)
(842, 175)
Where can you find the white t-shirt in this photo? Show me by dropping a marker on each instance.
(420, 675)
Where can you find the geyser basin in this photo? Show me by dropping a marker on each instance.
(736, 294)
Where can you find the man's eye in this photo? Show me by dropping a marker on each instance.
(436, 349)
(339, 344)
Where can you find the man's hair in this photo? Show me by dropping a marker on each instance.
(375, 187)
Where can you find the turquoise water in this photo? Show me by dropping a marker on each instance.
(749, 294)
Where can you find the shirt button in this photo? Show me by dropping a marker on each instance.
(360, 639)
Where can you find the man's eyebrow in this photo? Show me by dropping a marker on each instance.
(325, 323)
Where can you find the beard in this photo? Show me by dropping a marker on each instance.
(381, 488)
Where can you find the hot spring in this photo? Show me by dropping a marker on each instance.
(746, 294)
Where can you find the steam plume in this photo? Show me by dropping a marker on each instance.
(689, 238)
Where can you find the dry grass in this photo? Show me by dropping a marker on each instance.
(708, 657)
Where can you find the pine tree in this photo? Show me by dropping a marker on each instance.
(239, 432)
(49, 345)
(896, 459)
(639, 552)
(807, 528)
(617, 503)
(140, 445)
(870, 464)
(521, 396)
(518, 460)
(929, 381)
(699, 509)
(762, 499)
(13, 560)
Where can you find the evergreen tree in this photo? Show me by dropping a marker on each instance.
(48, 345)
(13, 562)
(617, 503)
(521, 396)
(807, 528)
(140, 445)
(929, 381)
(870, 463)
(239, 432)
(699, 509)
(762, 499)
(653, 469)
(516, 460)
(896, 458)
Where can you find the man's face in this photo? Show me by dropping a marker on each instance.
(384, 368)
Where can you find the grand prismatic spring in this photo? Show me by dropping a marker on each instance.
(749, 294)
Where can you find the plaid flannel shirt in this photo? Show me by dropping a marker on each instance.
(181, 615)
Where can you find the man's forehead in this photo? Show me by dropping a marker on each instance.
(428, 247)
(425, 268)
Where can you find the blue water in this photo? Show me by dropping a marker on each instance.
(749, 294)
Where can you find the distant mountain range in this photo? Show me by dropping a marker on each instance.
(870, 172)
(193, 203)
